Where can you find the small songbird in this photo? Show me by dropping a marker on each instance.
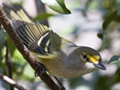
(62, 58)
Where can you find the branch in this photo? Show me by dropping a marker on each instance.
(8, 63)
(24, 51)
(11, 82)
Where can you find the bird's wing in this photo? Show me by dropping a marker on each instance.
(37, 37)
(40, 39)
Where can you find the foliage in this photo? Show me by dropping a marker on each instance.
(2, 39)
(57, 5)
(111, 17)
(41, 16)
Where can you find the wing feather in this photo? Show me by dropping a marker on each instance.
(30, 34)
(16, 12)
(37, 37)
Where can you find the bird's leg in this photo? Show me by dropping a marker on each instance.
(43, 71)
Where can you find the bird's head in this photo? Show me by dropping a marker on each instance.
(90, 57)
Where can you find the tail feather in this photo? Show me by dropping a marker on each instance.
(16, 12)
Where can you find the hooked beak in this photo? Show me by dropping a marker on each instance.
(100, 66)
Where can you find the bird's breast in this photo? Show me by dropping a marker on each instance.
(59, 69)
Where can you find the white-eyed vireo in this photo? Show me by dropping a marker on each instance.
(60, 57)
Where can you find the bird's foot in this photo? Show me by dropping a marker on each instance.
(42, 72)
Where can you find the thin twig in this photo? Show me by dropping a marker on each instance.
(24, 51)
(11, 82)
(8, 64)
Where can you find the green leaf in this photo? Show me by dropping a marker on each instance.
(2, 42)
(41, 16)
(115, 16)
(57, 5)
(109, 19)
(11, 46)
(100, 35)
(114, 58)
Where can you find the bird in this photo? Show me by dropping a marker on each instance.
(61, 57)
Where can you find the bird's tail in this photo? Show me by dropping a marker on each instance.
(15, 12)
(35, 36)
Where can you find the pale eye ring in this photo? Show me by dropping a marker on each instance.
(84, 57)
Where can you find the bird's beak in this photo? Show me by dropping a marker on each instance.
(100, 66)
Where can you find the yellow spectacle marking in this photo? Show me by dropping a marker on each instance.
(92, 59)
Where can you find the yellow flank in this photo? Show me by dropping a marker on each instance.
(45, 57)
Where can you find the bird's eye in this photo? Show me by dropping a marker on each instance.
(84, 57)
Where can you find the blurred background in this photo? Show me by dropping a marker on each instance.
(83, 27)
